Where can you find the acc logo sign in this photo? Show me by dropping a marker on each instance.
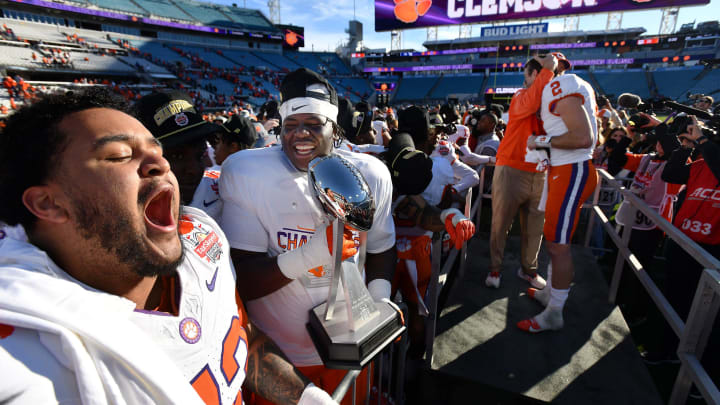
(408, 11)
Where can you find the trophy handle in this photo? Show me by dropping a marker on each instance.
(338, 228)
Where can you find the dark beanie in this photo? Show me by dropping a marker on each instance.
(410, 169)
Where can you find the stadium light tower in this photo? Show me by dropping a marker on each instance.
(395, 40)
(274, 6)
(432, 33)
(668, 20)
(571, 23)
(614, 21)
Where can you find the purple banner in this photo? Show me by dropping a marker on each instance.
(119, 16)
(564, 46)
(406, 14)
(575, 62)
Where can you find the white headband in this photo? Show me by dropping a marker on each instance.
(299, 105)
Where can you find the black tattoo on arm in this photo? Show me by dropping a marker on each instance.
(269, 373)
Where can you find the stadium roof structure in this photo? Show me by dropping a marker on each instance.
(533, 38)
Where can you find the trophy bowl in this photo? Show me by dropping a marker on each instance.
(342, 191)
(355, 333)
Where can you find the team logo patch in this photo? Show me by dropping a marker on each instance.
(181, 119)
(203, 240)
(190, 330)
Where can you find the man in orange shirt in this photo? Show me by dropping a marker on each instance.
(517, 185)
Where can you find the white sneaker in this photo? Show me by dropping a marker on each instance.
(492, 281)
(537, 282)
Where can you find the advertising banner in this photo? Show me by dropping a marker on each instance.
(512, 30)
(406, 14)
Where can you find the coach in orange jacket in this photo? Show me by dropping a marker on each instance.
(517, 185)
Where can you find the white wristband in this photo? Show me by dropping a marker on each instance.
(379, 289)
(315, 253)
(444, 214)
(543, 142)
(313, 395)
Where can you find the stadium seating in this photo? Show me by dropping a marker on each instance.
(143, 64)
(163, 8)
(247, 58)
(97, 63)
(119, 5)
(211, 57)
(616, 82)
(223, 86)
(708, 84)
(504, 79)
(278, 60)
(157, 50)
(458, 84)
(203, 12)
(36, 31)
(415, 88)
(17, 56)
(674, 82)
(247, 17)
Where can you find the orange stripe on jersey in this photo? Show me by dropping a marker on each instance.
(551, 106)
(206, 386)
(568, 187)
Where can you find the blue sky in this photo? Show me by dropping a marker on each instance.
(325, 21)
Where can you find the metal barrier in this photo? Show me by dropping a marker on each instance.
(439, 276)
(695, 333)
(394, 353)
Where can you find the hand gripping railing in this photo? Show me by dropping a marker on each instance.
(439, 276)
(695, 333)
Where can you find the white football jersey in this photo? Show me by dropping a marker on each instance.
(462, 132)
(206, 195)
(568, 85)
(270, 207)
(78, 343)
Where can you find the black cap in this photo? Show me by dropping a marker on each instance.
(353, 122)
(415, 121)
(241, 130)
(668, 141)
(313, 92)
(410, 169)
(172, 118)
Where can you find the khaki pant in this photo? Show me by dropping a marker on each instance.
(513, 190)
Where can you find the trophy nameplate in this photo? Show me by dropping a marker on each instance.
(348, 331)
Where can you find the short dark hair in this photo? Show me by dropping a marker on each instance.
(533, 65)
(31, 145)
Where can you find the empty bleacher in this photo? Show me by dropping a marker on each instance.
(18, 56)
(674, 82)
(415, 88)
(210, 56)
(97, 63)
(163, 8)
(203, 12)
(504, 79)
(144, 64)
(119, 5)
(709, 84)
(458, 84)
(278, 60)
(247, 17)
(616, 82)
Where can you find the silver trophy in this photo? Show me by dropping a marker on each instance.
(348, 332)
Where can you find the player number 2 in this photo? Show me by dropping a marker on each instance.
(555, 87)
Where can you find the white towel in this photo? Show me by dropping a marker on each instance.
(88, 331)
(539, 156)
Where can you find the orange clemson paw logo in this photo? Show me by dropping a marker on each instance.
(408, 11)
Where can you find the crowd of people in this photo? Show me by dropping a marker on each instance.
(154, 252)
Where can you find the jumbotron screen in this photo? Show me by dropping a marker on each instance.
(293, 36)
(406, 14)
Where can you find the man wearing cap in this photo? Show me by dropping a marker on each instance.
(276, 229)
(172, 118)
(416, 220)
(517, 184)
(239, 134)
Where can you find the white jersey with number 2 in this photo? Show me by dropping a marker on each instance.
(568, 85)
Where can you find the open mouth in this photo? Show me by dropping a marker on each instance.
(304, 149)
(159, 212)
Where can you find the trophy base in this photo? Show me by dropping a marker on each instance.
(341, 348)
